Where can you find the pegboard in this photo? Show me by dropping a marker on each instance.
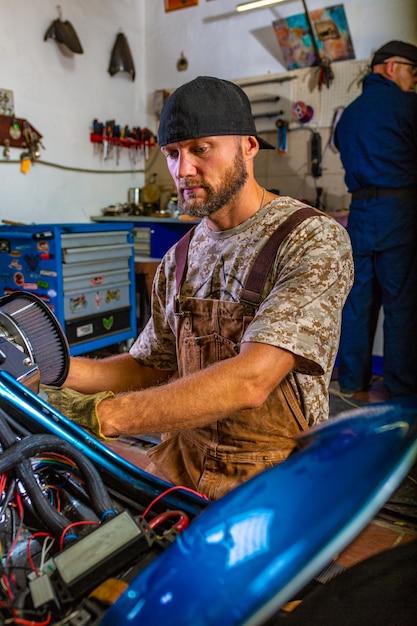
(301, 84)
(262, 93)
(345, 87)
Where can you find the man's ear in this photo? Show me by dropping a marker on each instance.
(389, 69)
(250, 146)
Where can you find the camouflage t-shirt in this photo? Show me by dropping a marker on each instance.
(303, 297)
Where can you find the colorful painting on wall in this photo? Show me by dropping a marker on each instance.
(331, 32)
(173, 5)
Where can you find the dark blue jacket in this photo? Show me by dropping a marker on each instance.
(377, 136)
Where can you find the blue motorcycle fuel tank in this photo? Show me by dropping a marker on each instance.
(247, 554)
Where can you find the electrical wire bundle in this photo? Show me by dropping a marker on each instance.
(27, 495)
(52, 497)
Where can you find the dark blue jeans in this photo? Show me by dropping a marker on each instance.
(385, 253)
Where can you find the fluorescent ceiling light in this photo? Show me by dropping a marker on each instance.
(256, 4)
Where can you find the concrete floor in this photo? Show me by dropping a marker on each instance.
(339, 403)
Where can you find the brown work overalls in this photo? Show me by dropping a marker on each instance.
(215, 458)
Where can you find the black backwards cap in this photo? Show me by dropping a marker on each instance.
(395, 49)
(207, 107)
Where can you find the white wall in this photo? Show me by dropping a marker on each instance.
(218, 40)
(60, 96)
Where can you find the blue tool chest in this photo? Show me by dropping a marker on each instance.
(83, 272)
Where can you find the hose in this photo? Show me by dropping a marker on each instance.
(40, 444)
(53, 520)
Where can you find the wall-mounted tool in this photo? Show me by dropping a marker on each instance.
(315, 155)
(270, 114)
(6, 149)
(268, 99)
(34, 145)
(64, 33)
(282, 130)
(182, 63)
(109, 134)
(121, 59)
(282, 79)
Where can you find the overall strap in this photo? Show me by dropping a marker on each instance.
(254, 287)
(181, 255)
(255, 282)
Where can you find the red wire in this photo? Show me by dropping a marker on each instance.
(16, 539)
(61, 541)
(180, 525)
(3, 481)
(8, 586)
(31, 563)
(56, 491)
(19, 504)
(164, 493)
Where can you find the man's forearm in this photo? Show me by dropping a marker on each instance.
(199, 399)
(119, 373)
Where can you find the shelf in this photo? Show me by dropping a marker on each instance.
(17, 131)
(142, 219)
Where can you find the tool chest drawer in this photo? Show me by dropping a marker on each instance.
(93, 253)
(95, 279)
(84, 272)
(93, 239)
(82, 302)
(95, 268)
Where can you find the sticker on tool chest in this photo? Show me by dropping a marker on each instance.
(5, 246)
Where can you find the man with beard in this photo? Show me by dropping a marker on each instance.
(237, 356)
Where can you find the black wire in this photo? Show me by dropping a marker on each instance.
(127, 502)
(16, 428)
(53, 520)
(7, 497)
(41, 444)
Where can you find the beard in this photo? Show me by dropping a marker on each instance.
(231, 182)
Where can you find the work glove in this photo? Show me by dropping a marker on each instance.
(78, 407)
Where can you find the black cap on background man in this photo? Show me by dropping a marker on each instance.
(395, 49)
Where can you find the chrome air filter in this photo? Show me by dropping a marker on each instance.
(28, 323)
